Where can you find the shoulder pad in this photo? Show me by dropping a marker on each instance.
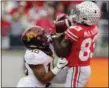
(35, 57)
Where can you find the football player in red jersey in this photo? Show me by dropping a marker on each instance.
(79, 39)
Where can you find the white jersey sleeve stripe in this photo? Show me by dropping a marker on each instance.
(66, 21)
(72, 34)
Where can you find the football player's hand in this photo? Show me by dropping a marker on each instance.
(61, 63)
(49, 38)
(56, 35)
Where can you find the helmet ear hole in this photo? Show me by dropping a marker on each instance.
(95, 11)
(84, 18)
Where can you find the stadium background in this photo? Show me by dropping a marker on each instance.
(18, 15)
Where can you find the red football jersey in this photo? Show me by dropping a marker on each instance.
(83, 40)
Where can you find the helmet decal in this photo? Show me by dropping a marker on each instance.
(31, 35)
(34, 37)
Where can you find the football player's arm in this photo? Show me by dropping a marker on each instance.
(40, 73)
(62, 46)
(45, 77)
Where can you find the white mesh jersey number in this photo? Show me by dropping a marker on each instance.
(85, 52)
(85, 48)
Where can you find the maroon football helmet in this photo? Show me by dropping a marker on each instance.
(35, 38)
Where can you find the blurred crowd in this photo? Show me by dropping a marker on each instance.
(19, 15)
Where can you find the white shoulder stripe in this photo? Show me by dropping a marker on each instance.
(72, 34)
(67, 23)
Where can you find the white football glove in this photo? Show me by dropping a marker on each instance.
(60, 64)
(49, 38)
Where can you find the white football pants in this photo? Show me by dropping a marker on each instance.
(77, 76)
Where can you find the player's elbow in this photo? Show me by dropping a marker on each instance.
(62, 51)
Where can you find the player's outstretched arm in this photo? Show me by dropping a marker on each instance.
(62, 46)
(42, 76)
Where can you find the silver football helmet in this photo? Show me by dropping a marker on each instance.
(86, 12)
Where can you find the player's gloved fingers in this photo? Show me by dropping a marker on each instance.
(49, 38)
(65, 61)
(62, 62)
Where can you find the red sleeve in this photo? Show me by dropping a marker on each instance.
(73, 33)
